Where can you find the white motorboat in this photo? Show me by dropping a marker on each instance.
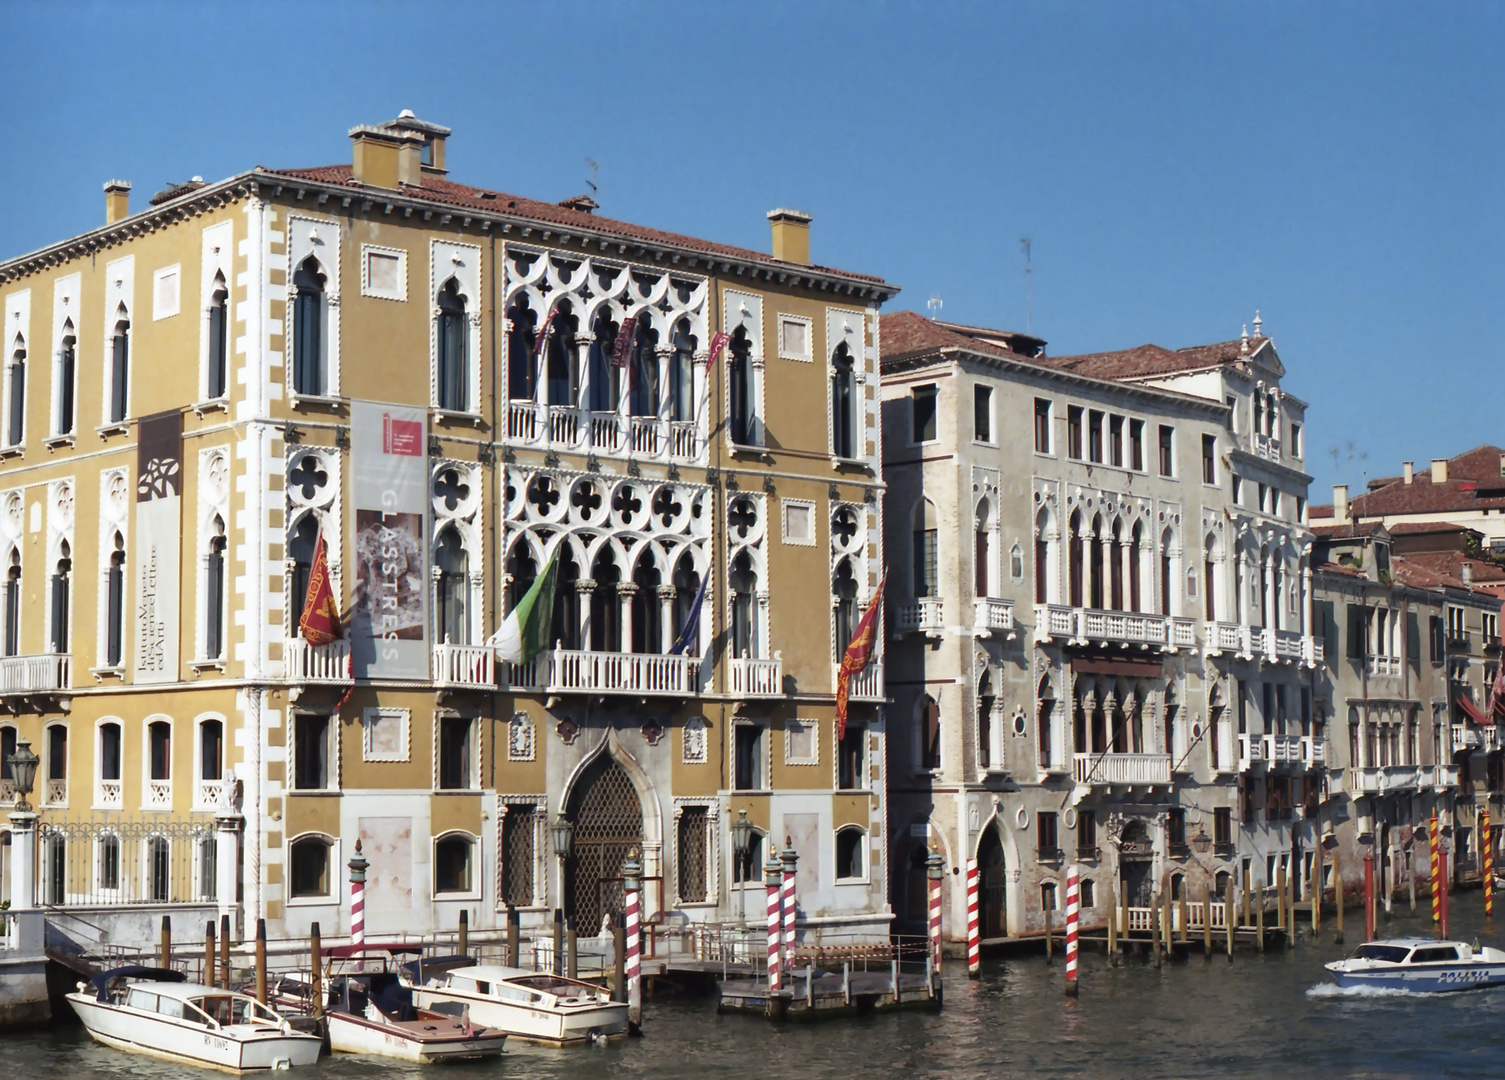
(532, 1006)
(154, 1011)
(1420, 966)
(369, 1010)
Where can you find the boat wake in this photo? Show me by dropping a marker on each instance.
(1333, 990)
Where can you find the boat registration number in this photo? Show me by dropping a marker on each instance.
(215, 1042)
(1463, 976)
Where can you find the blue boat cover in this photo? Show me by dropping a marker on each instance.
(101, 982)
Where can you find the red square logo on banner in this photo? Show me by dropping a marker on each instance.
(401, 436)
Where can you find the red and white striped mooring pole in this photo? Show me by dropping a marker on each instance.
(358, 866)
(974, 934)
(935, 869)
(789, 859)
(1073, 902)
(632, 885)
(772, 877)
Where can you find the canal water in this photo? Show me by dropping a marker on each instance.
(1263, 1015)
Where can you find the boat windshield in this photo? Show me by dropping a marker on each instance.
(1438, 954)
(228, 1009)
(1392, 954)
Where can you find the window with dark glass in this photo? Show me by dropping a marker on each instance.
(301, 549)
(1086, 834)
(218, 380)
(844, 586)
(922, 413)
(1074, 414)
(849, 853)
(211, 750)
(57, 752)
(66, 368)
(1167, 456)
(982, 413)
(309, 375)
(561, 363)
(851, 759)
(682, 375)
(115, 605)
(747, 753)
(452, 589)
(453, 856)
(1116, 441)
(1209, 459)
(743, 580)
(520, 337)
(452, 341)
(7, 748)
(519, 835)
(1222, 827)
(120, 370)
(1095, 436)
(843, 404)
(1042, 426)
(456, 753)
(62, 581)
(739, 370)
(109, 752)
(308, 875)
(310, 752)
(930, 733)
(926, 581)
(1175, 831)
(16, 428)
(692, 854)
(1049, 842)
(602, 378)
(1136, 445)
(159, 749)
(214, 594)
(13, 606)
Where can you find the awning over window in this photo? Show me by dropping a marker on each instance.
(1474, 712)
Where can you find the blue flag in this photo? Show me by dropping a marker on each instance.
(691, 629)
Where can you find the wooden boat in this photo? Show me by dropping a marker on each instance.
(531, 1006)
(369, 1010)
(1420, 966)
(155, 1011)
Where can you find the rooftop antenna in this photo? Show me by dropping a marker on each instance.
(595, 172)
(935, 303)
(1029, 288)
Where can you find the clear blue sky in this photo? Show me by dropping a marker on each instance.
(1337, 165)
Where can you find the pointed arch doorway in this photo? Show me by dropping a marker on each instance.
(608, 819)
(992, 892)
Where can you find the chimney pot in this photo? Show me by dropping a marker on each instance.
(1467, 571)
(1439, 470)
(117, 200)
(1340, 503)
(1408, 471)
(791, 235)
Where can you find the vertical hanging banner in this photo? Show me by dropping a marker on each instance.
(155, 558)
(389, 506)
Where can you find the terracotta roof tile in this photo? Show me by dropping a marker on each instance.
(903, 333)
(1149, 359)
(448, 193)
(1474, 483)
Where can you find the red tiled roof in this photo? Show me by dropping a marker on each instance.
(903, 333)
(1431, 569)
(1415, 528)
(1346, 532)
(1473, 484)
(1145, 360)
(448, 193)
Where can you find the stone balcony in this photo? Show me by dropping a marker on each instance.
(751, 677)
(1129, 769)
(465, 666)
(1281, 749)
(1092, 626)
(925, 615)
(560, 428)
(326, 664)
(1382, 665)
(1268, 644)
(575, 671)
(991, 615)
(1314, 751)
(1386, 779)
(866, 685)
(43, 674)
(1251, 752)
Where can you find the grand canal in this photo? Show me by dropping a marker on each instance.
(1258, 1016)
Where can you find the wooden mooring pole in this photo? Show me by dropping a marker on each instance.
(1315, 889)
(1228, 915)
(1049, 957)
(619, 955)
(209, 953)
(1259, 925)
(1112, 933)
(261, 961)
(316, 970)
(462, 937)
(1337, 898)
(1280, 900)
(1369, 919)
(514, 937)
(571, 950)
(1155, 942)
(1124, 914)
(224, 951)
(1207, 920)
(167, 941)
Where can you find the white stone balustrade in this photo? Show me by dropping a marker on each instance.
(925, 615)
(755, 677)
(465, 665)
(1121, 768)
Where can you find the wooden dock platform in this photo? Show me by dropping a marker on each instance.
(815, 994)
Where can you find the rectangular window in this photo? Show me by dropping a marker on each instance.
(1086, 834)
(1232, 403)
(456, 753)
(1295, 440)
(1435, 633)
(1095, 437)
(692, 854)
(1209, 459)
(982, 413)
(748, 751)
(1167, 450)
(1264, 498)
(851, 759)
(922, 412)
(519, 831)
(1042, 426)
(1300, 510)
(1050, 848)
(925, 578)
(1356, 628)
(1175, 832)
(1116, 441)
(1238, 489)
(310, 752)
(1074, 432)
(1222, 827)
(1136, 445)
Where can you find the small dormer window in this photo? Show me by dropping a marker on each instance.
(1382, 558)
(428, 152)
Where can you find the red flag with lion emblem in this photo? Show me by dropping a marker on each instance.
(858, 655)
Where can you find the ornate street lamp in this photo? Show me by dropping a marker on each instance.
(23, 767)
(742, 831)
(563, 831)
(1201, 842)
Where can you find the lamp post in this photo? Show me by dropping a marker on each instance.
(563, 834)
(23, 767)
(742, 830)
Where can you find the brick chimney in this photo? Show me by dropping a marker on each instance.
(791, 235)
(386, 157)
(1408, 471)
(1340, 503)
(1439, 470)
(117, 200)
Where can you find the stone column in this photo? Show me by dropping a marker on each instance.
(667, 631)
(626, 590)
(585, 588)
(227, 832)
(23, 861)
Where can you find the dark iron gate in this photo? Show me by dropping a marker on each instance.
(993, 888)
(608, 821)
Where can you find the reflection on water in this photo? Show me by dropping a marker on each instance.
(1258, 1016)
